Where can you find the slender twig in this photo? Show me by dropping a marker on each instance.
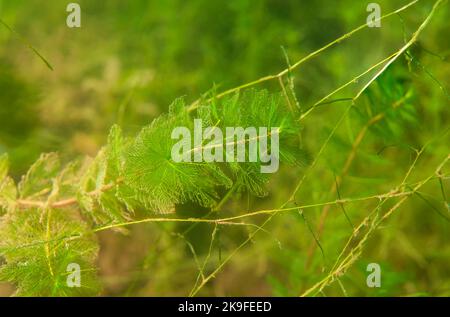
(24, 203)
(317, 52)
(231, 220)
(371, 122)
(341, 266)
(26, 43)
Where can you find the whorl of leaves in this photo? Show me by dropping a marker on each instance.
(48, 219)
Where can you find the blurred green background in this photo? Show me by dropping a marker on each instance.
(131, 59)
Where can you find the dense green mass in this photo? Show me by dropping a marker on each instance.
(364, 148)
(126, 175)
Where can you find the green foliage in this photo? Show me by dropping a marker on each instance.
(38, 180)
(375, 145)
(40, 268)
(53, 228)
(256, 109)
(392, 97)
(8, 190)
(149, 169)
(38, 243)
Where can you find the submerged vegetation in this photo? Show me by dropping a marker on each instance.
(363, 148)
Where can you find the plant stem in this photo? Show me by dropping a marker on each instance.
(24, 203)
(317, 52)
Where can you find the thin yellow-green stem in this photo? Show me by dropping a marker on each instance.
(340, 265)
(26, 43)
(317, 52)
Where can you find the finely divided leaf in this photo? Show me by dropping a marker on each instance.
(38, 252)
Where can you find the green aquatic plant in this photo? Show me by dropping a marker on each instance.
(51, 217)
